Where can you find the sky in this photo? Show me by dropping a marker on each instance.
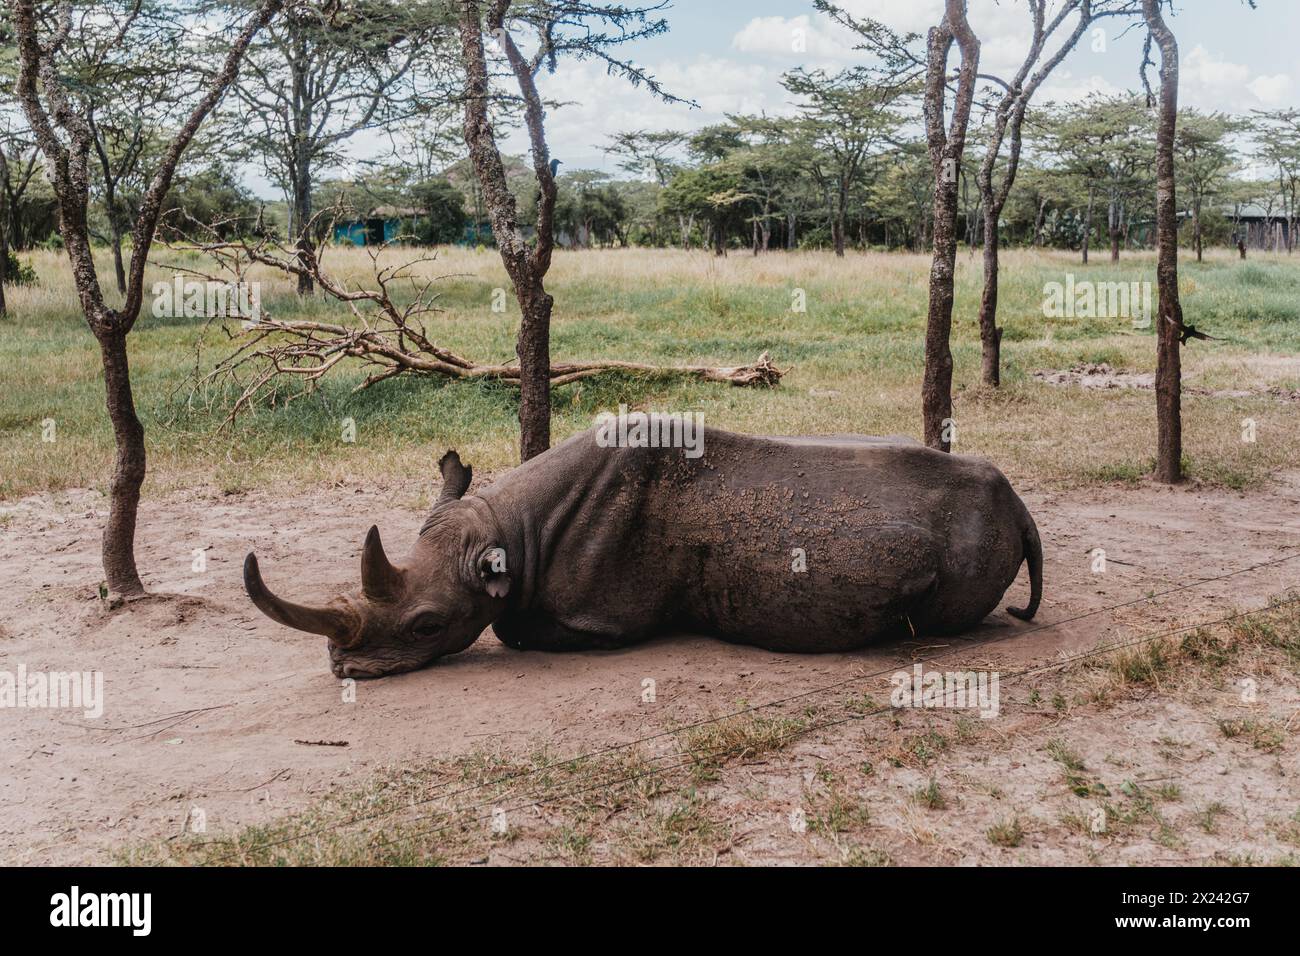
(728, 57)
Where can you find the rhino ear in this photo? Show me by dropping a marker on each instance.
(493, 573)
(455, 476)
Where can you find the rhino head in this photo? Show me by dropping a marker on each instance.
(438, 601)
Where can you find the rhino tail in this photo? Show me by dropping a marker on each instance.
(1034, 555)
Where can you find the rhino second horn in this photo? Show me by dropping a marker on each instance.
(379, 579)
(328, 621)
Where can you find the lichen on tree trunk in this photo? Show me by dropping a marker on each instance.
(946, 149)
(1169, 428)
(128, 467)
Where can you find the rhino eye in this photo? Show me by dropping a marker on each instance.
(426, 625)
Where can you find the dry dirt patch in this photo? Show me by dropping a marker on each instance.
(205, 700)
(1100, 375)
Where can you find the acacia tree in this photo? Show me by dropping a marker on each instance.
(320, 75)
(1008, 118)
(769, 164)
(19, 163)
(905, 193)
(118, 147)
(1205, 160)
(844, 117)
(1277, 135)
(1103, 143)
(714, 192)
(122, 100)
(946, 146)
(15, 175)
(1123, 155)
(425, 143)
(561, 28)
(650, 152)
(57, 117)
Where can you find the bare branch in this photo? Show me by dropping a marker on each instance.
(384, 332)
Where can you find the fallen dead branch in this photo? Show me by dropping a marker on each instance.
(385, 331)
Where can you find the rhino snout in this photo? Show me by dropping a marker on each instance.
(362, 666)
(348, 669)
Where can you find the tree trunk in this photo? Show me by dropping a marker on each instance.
(534, 350)
(115, 241)
(4, 230)
(302, 213)
(527, 266)
(839, 230)
(1038, 222)
(946, 150)
(936, 384)
(1114, 230)
(114, 227)
(4, 268)
(128, 469)
(1087, 225)
(990, 334)
(1196, 228)
(1169, 429)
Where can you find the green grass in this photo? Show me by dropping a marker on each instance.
(855, 361)
(930, 796)
(1007, 833)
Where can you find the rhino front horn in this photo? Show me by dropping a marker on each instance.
(331, 622)
(380, 581)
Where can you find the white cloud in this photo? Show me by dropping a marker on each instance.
(1273, 91)
(1211, 82)
(597, 105)
(793, 37)
(1201, 67)
(1002, 29)
(1062, 87)
(913, 16)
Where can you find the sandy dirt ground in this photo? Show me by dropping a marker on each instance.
(210, 706)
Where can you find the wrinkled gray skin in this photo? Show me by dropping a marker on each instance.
(604, 547)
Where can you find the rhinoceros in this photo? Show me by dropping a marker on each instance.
(787, 543)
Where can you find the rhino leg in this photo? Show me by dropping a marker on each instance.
(541, 632)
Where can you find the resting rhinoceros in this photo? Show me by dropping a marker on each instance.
(790, 544)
